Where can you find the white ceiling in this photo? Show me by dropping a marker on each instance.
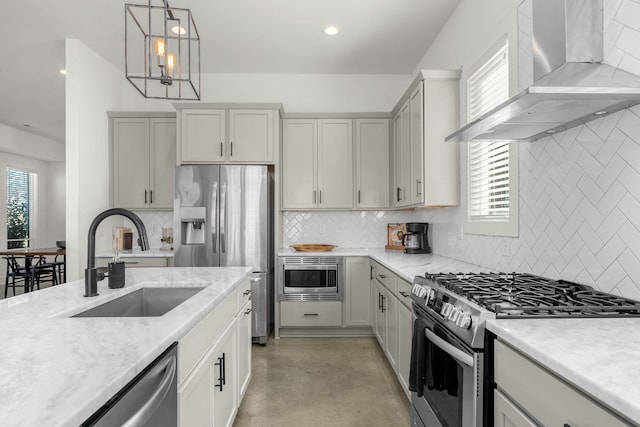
(238, 36)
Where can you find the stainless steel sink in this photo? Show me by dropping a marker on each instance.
(145, 302)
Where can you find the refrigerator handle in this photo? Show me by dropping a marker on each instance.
(223, 217)
(214, 234)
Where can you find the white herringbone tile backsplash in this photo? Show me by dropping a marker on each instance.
(579, 193)
(153, 222)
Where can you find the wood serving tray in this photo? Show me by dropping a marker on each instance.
(312, 247)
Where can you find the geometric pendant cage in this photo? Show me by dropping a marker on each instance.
(162, 51)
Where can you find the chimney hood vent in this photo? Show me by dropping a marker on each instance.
(572, 86)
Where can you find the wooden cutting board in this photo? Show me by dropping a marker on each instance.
(312, 247)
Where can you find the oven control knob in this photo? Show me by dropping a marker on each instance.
(446, 309)
(464, 321)
(454, 314)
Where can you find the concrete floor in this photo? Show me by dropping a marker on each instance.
(305, 382)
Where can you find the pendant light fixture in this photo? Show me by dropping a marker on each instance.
(162, 51)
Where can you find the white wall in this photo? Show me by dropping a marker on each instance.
(93, 87)
(21, 143)
(297, 92)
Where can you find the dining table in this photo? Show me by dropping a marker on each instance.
(29, 253)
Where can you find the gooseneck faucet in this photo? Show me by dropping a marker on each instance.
(91, 275)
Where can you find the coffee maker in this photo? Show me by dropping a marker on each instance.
(415, 238)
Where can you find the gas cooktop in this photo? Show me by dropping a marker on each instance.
(462, 302)
(515, 294)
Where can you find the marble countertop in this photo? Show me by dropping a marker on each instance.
(404, 265)
(599, 356)
(56, 370)
(151, 253)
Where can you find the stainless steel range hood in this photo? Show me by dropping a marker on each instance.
(571, 86)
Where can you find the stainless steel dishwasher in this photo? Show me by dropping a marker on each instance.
(150, 399)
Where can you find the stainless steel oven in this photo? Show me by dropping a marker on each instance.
(310, 278)
(450, 392)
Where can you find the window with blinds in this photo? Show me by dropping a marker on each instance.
(488, 168)
(22, 217)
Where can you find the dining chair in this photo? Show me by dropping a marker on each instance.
(43, 271)
(17, 276)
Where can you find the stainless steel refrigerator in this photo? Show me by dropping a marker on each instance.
(223, 216)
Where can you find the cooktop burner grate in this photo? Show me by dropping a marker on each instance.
(527, 295)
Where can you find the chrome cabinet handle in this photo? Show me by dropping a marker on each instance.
(147, 410)
(418, 185)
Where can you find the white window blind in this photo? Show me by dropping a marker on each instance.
(22, 209)
(488, 173)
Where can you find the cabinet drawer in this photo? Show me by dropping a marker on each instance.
(244, 293)
(194, 345)
(404, 292)
(317, 313)
(388, 279)
(135, 262)
(547, 398)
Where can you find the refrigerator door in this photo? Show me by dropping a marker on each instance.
(244, 217)
(196, 218)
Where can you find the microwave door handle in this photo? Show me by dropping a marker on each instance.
(457, 354)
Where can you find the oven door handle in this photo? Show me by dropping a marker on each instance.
(457, 354)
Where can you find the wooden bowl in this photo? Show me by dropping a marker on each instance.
(312, 247)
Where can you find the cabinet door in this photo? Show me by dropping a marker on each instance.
(506, 414)
(416, 146)
(405, 334)
(162, 162)
(372, 163)
(244, 349)
(203, 135)
(250, 136)
(195, 397)
(402, 158)
(299, 164)
(380, 317)
(390, 307)
(335, 164)
(130, 171)
(357, 292)
(224, 378)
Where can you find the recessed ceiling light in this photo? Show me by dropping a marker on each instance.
(63, 71)
(178, 30)
(550, 131)
(600, 113)
(331, 30)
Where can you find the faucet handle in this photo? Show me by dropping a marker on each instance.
(101, 273)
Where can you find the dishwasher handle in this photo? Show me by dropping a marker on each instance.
(151, 405)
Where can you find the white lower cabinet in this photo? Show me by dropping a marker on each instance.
(547, 399)
(357, 288)
(311, 313)
(392, 319)
(244, 349)
(214, 364)
(405, 327)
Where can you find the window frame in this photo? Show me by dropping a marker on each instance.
(508, 227)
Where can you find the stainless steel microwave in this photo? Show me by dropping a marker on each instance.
(309, 278)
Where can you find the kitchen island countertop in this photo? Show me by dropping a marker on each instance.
(57, 370)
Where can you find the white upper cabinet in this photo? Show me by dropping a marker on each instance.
(202, 136)
(228, 135)
(426, 168)
(143, 161)
(372, 163)
(317, 164)
(250, 135)
(299, 142)
(335, 164)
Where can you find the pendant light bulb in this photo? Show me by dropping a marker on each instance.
(171, 61)
(160, 47)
